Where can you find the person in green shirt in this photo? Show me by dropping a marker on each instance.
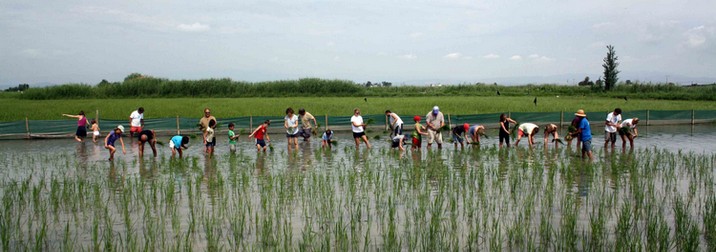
(232, 138)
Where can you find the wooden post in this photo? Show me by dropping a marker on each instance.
(326, 125)
(692, 116)
(251, 123)
(449, 125)
(647, 117)
(27, 127)
(96, 116)
(178, 129)
(561, 121)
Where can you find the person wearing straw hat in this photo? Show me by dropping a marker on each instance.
(112, 137)
(435, 121)
(585, 134)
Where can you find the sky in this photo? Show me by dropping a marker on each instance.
(403, 42)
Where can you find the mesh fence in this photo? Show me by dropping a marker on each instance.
(26, 128)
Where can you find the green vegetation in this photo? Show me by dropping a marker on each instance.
(119, 109)
(610, 68)
(138, 86)
(479, 199)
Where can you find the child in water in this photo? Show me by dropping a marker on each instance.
(95, 130)
(232, 138)
(326, 139)
(111, 138)
(398, 142)
(209, 137)
(418, 133)
(260, 133)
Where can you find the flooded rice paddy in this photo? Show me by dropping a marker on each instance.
(63, 195)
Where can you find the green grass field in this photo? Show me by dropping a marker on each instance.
(17, 109)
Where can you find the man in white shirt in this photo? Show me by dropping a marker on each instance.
(611, 125)
(358, 128)
(435, 121)
(136, 121)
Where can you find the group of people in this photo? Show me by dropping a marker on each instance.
(304, 125)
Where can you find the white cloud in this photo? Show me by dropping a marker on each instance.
(409, 56)
(453, 56)
(534, 56)
(603, 25)
(516, 57)
(32, 53)
(195, 27)
(416, 34)
(491, 56)
(696, 37)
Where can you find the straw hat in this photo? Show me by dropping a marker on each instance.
(121, 128)
(580, 113)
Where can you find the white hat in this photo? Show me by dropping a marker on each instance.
(436, 110)
(121, 128)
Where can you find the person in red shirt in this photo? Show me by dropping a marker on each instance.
(260, 133)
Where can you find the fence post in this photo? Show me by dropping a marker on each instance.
(561, 121)
(96, 117)
(449, 122)
(647, 117)
(692, 116)
(251, 123)
(178, 129)
(326, 126)
(27, 127)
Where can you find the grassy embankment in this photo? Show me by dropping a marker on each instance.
(18, 109)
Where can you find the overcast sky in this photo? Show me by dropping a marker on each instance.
(370, 40)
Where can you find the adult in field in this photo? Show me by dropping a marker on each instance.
(551, 129)
(136, 121)
(458, 133)
(358, 128)
(610, 127)
(473, 133)
(82, 123)
(204, 122)
(435, 120)
(290, 122)
(306, 126)
(628, 131)
(147, 136)
(395, 123)
(529, 130)
(585, 134)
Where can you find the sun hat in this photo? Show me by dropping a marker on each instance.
(580, 113)
(436, 110)
(466, 126)
(121, 128)
(416, 118)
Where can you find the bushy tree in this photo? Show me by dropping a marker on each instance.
(610, 68)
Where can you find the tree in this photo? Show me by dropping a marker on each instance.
(610, 68)
(19, 88)
(585, 82)
(133, 76)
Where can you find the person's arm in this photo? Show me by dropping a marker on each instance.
(512, 121)
(122, 142)
(204, 136)
(502, 125)
(72, 116)
(254, 132)
(106, 139)
(636, 132)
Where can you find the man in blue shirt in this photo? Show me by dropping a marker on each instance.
(585, 134)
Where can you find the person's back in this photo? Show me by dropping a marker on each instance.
(586, 130)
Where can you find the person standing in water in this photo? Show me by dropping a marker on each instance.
(82, 123)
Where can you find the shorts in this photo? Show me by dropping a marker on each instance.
(435, 136)
(624, 131)
(457, 138)
(358, 135)
(291, 135)
(135, 129)
(395, 144)
(610, 136)
(232, 147)
(587, 146)
(171, 145)
(398, 130)
(81, 131)
(261, 142)
(212, 143)
(521, 133)
(417, 142)
(95, 133)
(305, 133)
